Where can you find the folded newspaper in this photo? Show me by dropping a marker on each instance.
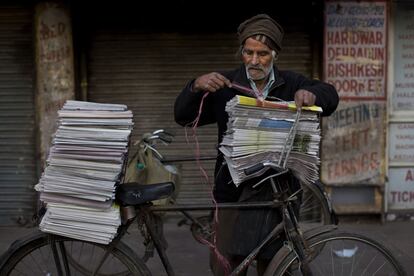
(84, 165)
(257, 132)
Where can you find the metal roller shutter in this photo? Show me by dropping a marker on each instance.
(147, 71)
(17, 116)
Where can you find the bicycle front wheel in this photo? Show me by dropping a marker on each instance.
(340, 253)
(315, 209)
(44, 254)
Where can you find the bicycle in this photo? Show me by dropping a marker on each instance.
(315, 207)
(308, 253)
(324, 250)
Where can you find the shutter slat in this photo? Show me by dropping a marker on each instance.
(17, 140)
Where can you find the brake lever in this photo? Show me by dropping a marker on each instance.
(168, 133)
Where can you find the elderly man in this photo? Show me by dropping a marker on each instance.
(260, 40)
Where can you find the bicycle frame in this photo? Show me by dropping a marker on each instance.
(147, 143)
(145, 216)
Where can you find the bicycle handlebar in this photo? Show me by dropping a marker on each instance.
(162, 131)
(259, 166)
(166, 138)
(256, 168)
(159, 134)
(253, 169)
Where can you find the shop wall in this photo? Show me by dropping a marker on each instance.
(355, 62)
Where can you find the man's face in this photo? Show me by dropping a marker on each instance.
(258, 59)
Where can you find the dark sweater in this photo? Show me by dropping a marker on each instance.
(286, 84)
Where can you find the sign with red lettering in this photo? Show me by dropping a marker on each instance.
(403, 94)
(401, 188)
(353, 144)
(401, 143)
(355, 49)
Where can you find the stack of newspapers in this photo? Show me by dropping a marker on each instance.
(83, 167)
(258, 131)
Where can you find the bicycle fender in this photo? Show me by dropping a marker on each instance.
(286, 250)
(311, 233)
(277, 260)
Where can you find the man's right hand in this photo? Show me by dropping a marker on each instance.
(210, 82)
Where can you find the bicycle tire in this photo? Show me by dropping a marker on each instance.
(315, 208)
(339, 253)
(33, 256)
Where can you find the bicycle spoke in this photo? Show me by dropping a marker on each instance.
(332, 260)
(64, 258)
(35, 262)
(314, 207)
(379, 269)
(56, 258)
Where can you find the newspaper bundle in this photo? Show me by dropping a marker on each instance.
(257, 132)
(84, 165)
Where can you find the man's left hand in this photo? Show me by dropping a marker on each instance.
(304, 98)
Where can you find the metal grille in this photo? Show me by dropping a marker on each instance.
(17, 117)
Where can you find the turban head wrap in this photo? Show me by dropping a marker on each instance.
(263, 28)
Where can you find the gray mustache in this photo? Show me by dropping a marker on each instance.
(255, 67)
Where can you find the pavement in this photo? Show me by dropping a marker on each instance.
(189, 258)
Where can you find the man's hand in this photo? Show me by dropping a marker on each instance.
(210, 82)
(304, 98)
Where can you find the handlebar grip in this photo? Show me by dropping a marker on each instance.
(253, 169)
(166, 139)
(168, 133)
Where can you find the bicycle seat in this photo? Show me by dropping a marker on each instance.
(135, 193)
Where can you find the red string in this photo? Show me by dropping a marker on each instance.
(247, 90)
(213, 245)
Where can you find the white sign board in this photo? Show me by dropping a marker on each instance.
(401, 143)
(401, 188)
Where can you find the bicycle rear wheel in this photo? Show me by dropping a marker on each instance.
(34, 256)
(340, 253)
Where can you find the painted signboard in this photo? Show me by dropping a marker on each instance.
(403, 94)
(353, 144)
(355, 54)
(355, 49)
